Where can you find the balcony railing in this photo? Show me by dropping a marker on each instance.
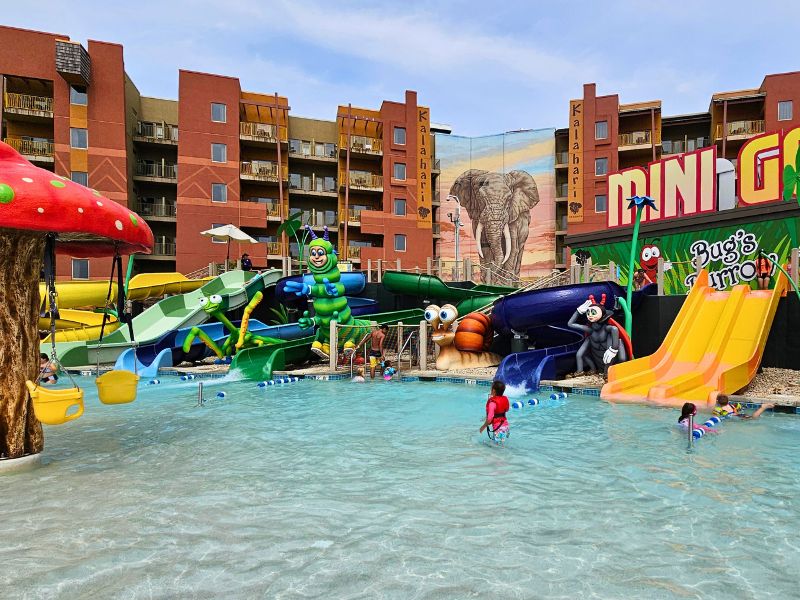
(32, 105)
(362, 144)
(562, 190)
(317, 218)
(636, 138)
(274, 248)
(31, 148)
(312, 183)
(351, 215)
(156, 170)
(561, 223)
(354, 251)
(562, 158)
(741, 128)
(147, 209)
(156, 132)
(271, 205)
(685, 145)
(312, 149)
(437, 164)
(262, 170)
(262, 132)
(166, 248)
(436, 228)
(363, 180)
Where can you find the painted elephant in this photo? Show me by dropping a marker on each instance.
(499, 206)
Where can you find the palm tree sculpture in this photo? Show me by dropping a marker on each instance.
(639, 203)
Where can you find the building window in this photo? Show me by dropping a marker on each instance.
(217, 240)
(219, 112)
(219, 192)
(294, 146)
(785, 110)
(80, 268)
(601, 166)
(399, 171)
(81, 177)
(600, 203)
(78, 138)
(601, 130)
(400, 242)
(219, 153)
(400, 207)
(400, 136)
(77, 95)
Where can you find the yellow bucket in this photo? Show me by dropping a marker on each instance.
(117, 387)
(51, 406)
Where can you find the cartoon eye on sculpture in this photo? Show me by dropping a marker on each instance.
(606, 341)
(467, 346)
(239, 337)
(499, 206)
(330, 303)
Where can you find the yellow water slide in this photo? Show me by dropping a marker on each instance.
(714, 346)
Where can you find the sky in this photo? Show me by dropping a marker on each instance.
(483, 67)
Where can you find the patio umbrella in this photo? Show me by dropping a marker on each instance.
(229, 232)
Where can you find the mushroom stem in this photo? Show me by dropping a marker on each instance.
(20, 265)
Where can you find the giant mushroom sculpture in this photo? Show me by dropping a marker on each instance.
(35, 202)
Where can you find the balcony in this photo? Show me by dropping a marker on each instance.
(437, 165)
(164, 248)
(562, 190)
(38, 107)
(156, 172)
(363, 145)
(363, 181)
(155, 133)
(161, 211)
(684, 145)
(740, 130)
(313, 151)
(436, 229)
(354, 252)
(262, 170)
(34, 151)
(274, 249)
(562, 159)
(351, 215)
(561, 225)
(636, 140)
(317, 219)
(262, 133)
(313, 185)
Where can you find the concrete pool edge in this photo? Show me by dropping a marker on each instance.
(16, 465)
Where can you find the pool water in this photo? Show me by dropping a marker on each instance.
(386, 490)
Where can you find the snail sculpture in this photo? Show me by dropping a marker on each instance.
(465, 347)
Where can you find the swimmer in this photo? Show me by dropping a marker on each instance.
(724, 408)
(359, 378)
(683, 420)
(497, 405)
(48, 370)
(388, 370)
(376, 340)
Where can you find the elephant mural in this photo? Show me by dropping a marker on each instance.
(499, 206)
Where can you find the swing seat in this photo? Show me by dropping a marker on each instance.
(51, 406)
(117, 387)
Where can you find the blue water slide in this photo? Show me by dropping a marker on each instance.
(362, 306)
(354, 283)
(129, 361)
(552, 361)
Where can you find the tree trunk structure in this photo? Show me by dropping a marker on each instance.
(20, 266)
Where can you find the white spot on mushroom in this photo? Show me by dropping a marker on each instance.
(118, 224)
(99, 203)
(80, 210)
(40, 210)
(27, 180)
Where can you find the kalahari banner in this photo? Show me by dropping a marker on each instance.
(506, 189)
(728, 253)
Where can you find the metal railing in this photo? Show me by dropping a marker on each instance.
(562, 190)
(264, 170)
(312, 149)
(160, 170)
(561, 223)
(351, 215)
(362, 144)
(312, 183)
(199, 273)
(436, 228)
(363, 180)
(32, 148)
(164, 249)
(749, 127)
(636, 138)
(147, 209)
(684, 145)
(28, 103)
(264, 132)
(354, 251)
(156, 131)
(437, 164)
(274, 249)
(562, 158)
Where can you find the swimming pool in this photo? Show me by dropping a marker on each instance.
(385, 490)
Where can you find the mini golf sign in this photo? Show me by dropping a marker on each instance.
(768, 169)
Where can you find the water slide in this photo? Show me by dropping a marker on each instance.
(76, 325)
(542, 315)
(175, 312)
(430, 287)
(259, 363)
(714, 346)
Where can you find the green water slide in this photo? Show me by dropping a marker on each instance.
(431, 287)
(169, 314)
(259, 363)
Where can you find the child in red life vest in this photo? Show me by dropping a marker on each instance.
(496, 408)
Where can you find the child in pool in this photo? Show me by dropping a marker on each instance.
(359, 378)
(48, 369)
(683, 420)
(388, 370)
(724, 408)
(496, 407)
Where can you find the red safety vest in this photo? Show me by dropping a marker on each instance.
(500, 409)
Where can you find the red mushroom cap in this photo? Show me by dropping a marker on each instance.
(88, 224)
